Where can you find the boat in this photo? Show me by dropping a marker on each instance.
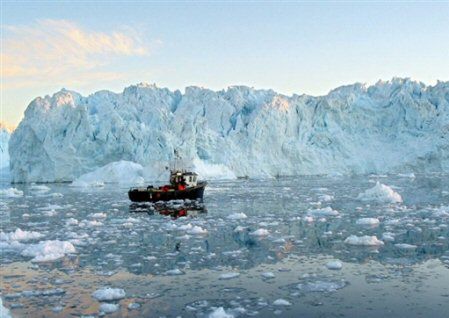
(183, 185)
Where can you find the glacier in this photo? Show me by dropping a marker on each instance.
(5, 134)
(399, 125)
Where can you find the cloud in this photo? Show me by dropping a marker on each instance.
(62, 51)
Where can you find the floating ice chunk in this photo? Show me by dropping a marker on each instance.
(327, 211)
(405, 246)
(4, 312)
(108, 294)
(388, 237)
(220, 313)
(326, 197)
(407, 175)
(334, 265)
(237, 216)
(20, 235)
(321, 286)
(268, 275)
(368, 221)
(46, 251)
(174, 272)
(281, 302)
(380, 193)
(230, 275)
(11, 193)
(71, 221)
(185, 227)
(134, 306)
(363, 240)
(240, 229)
(109, 308)
(99, 215)
(39, 188)
(308, 219)
(197, 230)
(260, 232)
(93, 223)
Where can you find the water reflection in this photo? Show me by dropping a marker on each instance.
(174, 210)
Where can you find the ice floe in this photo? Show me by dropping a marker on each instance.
(281, 302)
(237, 216)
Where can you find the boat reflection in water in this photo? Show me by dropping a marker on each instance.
(174, 208)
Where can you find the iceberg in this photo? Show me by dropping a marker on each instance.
(380, 193)
(396, 126)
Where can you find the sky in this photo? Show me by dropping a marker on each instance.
(288, 46)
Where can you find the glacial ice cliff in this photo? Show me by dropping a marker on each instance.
(398, 125)
(4, 139)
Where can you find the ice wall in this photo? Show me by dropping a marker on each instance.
(398, 125)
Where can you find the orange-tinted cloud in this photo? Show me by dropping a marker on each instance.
(54, 50)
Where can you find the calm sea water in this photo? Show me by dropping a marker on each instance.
(214, 257)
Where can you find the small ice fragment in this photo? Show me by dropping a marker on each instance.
(363, 240)
(367, 221)
(230, 275)
(108, 294)
(327, 211)
(334, 265)
(109, 308)
(133, 306)
(260, 232)
(388, 237)
(267, 275)
(197, 230)
(237, 216)
(4, 312)
(174, 272)
(220, 313)
(281, 302)
(405, 246)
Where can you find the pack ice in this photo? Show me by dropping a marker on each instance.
(398, 125)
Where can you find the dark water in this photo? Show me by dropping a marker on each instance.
(192, 265)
